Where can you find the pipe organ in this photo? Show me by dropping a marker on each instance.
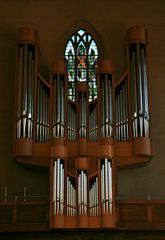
(106, 105)
(43, 112)
(82, 140)
(139, 88)
(121, 112)
(58, 104)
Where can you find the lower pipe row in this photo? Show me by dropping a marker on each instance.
(84, 201)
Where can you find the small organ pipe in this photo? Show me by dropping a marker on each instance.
(110, 106)
(79, 194)
(134, 96)
(19, 93)
(82, 115)
(24, 113)
(58, 105)
(106, 102)
(62, 109)
(97, 196)
(55, 185)
(121, 112)
(110, 185)
(106, 106)
(54, 107)
(40, 106)
(85, 194)
(106, 187)
(46, 116)
(139, 84)
(71, 123)
(126, 110)
(145, 94)
(103, 111)
(138, 79)
(29, 93)
(116, 118)
(93, 198)
(103, 189)
(67, 195)
(82, 193)
(69, 112)
(58, 187)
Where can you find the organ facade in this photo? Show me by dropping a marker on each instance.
(82, 124)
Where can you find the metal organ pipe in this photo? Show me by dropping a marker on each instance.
(145, 93)
(82, 116)
(58, 99)
(93, 123)
(25, 93)
(71, 123)
(58, 187)
(93, 198)
(121, 108)
(138, 79)
(43, 105)
(106, 106)
(82, 193)
(106, 186)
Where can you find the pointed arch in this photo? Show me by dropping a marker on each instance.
(81, 54)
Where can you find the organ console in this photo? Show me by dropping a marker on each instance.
(80, 138)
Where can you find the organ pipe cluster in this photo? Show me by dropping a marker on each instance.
(106, 106)
(58, 105)
(25, 90)
(139, 90)
(58, 187)
(94, 198)
(82, 115)
(71, 123)
(106, 186)
(93, 126)
(71, 198)
(82, 193)
(121, 112)
(43, 105)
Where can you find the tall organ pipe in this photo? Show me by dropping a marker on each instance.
(58, 187)
(26, 77)
(121, 108)
(58, 99)
(106, 186)
(106, 96)
(82, 115)
(82, 193)
(138, 78)
(93, 198)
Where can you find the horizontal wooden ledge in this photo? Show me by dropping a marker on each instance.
(27, 203)
(24, 227)
(147, 202)
(133, 152)
(27, 147)
(131, 160)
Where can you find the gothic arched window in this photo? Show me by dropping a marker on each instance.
(81, 54)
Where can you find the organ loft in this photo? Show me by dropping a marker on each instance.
(82, 124)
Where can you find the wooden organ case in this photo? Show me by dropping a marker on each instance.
(81, 142)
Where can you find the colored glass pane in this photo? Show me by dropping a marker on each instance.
(81, 54)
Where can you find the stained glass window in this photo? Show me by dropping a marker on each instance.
(81, 54)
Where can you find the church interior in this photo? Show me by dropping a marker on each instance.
(81, 135)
